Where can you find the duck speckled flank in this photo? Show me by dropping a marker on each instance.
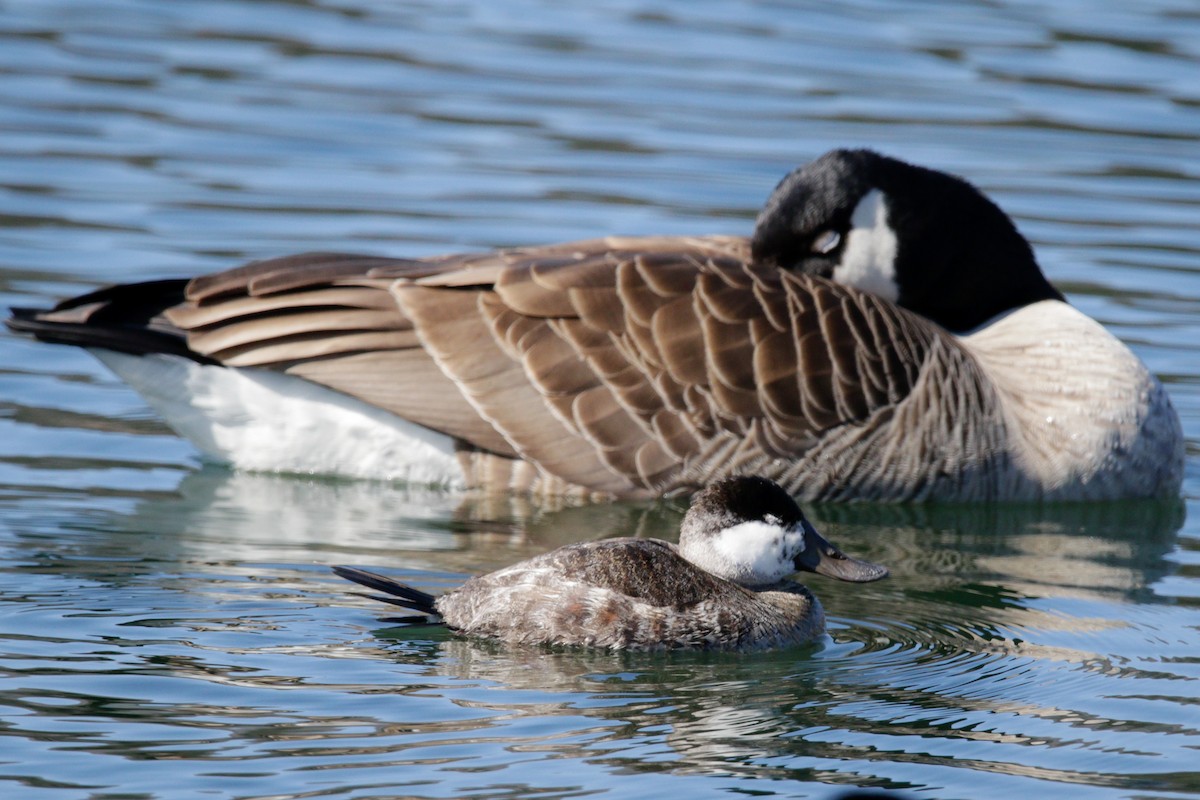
(885, 335)
(724, 587)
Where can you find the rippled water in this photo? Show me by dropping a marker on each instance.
(171, 630)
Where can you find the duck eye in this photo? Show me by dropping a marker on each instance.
(826, 242)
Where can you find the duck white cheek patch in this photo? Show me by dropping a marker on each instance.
(869, 260)
(757, 552)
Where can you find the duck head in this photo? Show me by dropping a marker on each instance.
(749, 530)
(926, 240)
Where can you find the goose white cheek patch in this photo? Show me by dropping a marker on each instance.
(869, 259)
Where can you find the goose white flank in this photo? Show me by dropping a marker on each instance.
(885, 334)
(724, 587)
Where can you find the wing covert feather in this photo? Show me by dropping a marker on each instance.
(647, 569)
(627, 366)
(330, 318)
(664, 362)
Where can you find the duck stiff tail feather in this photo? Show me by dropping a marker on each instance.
(401, 594)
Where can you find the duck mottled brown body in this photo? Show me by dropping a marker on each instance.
(724, 587)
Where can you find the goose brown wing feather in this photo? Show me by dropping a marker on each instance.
(282, 274)
(672, 366)
(626, 366)
(329, 318)
(474, 351)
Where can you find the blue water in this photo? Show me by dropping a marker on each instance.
(170, 629)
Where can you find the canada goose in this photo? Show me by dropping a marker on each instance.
(886, 334)
(724, 587)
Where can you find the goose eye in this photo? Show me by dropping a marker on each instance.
(826, 242)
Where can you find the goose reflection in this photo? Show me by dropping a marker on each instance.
(991, 555)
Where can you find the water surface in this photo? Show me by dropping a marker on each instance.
(170, 629)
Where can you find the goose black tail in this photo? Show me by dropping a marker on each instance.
(401, 594)
(128, 319)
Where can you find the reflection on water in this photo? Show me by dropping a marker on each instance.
(974, 642)
(168, 630)
(981, 656)
(1098, 550)
(256, 517)
(1111, 549)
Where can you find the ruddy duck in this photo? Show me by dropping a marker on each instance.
(724, 587)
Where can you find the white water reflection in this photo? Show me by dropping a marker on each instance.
(172, 630)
